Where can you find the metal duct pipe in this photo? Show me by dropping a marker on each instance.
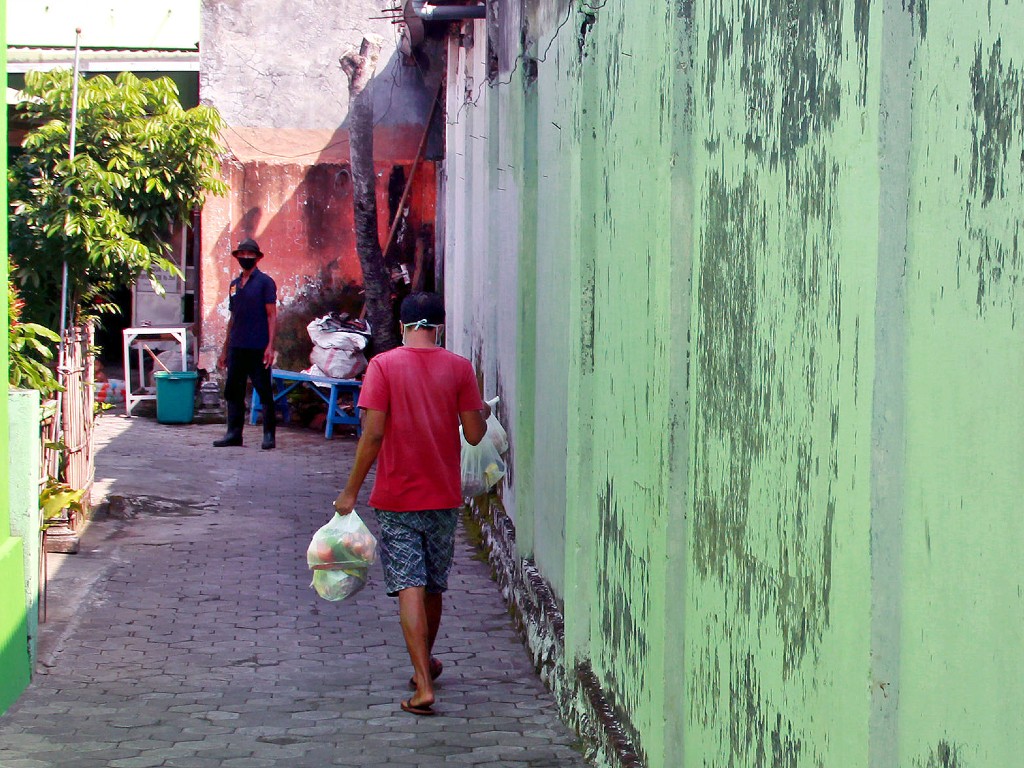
(448, 12)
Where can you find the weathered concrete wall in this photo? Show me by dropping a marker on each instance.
(759, 263)
(273, 74)
(269, 65)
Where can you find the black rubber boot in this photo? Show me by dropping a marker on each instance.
(236, 419)
(269, 427)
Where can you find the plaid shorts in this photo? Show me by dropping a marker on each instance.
(416, 548)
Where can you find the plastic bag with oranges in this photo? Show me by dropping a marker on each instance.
(340, 556)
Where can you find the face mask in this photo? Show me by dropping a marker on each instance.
(438, 337)
(247, 263)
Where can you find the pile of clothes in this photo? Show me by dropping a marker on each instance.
(107, 391)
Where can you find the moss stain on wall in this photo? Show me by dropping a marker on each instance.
(997, 88)
(945, 755)
(624, 616)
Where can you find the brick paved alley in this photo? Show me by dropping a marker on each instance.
(184, 633)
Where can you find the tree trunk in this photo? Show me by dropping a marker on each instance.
(360, 67)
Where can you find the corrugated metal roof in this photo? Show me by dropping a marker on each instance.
(24, 58)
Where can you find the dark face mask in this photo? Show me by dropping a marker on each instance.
(247, 263)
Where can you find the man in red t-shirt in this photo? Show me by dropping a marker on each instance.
(413, 399)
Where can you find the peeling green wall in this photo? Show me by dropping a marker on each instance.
(765, 423)
(785, 139)
(619, 454)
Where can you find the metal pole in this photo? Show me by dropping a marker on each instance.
(58, 417)
(71, 156)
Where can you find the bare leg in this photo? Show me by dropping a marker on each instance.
(412, 612)
(434, 602)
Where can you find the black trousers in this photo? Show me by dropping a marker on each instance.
(247, 364)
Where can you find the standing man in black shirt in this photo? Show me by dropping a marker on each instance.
(249, 345)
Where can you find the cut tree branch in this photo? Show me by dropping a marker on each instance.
(360, 67)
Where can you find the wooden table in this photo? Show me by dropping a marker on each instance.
(284, 382)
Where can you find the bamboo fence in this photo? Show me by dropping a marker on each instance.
(67, 448)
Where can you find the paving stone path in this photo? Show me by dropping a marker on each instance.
(186, 633)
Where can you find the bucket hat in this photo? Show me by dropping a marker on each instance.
(247, 246)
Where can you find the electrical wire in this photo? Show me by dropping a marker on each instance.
(396, 84)
(339, 142)
(522, 56)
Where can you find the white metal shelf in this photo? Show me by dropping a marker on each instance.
(137, 391)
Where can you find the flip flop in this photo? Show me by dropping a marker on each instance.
(423, 710)
(436, 668)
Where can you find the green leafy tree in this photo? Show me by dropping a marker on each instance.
(142, 163)
(30, 349)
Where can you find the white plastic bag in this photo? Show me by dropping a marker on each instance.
(495, 432)
(482, 465)
(340, 555)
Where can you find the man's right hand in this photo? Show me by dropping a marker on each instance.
(345, 503)
(222, 361)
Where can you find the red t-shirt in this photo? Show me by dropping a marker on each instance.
(422, 391)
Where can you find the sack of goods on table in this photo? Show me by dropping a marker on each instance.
(338, 344)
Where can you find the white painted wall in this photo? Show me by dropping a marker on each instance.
(481, 240)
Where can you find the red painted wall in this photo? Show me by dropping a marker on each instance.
(299, 209)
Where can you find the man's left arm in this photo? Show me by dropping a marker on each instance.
(366, 453)
(473, 420)
(474, 425)
(268, 353)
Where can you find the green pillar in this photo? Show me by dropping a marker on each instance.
(14, 654)
(14, 649)
(23, 467)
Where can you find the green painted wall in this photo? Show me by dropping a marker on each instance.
(553, 148)
(26, 519)
(619, 377)
(14, 648)
(778, 619)
(961, 689)
(765, 419)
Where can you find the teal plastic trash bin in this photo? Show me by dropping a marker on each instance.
(175, 396)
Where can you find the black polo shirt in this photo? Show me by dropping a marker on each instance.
(248, 306)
